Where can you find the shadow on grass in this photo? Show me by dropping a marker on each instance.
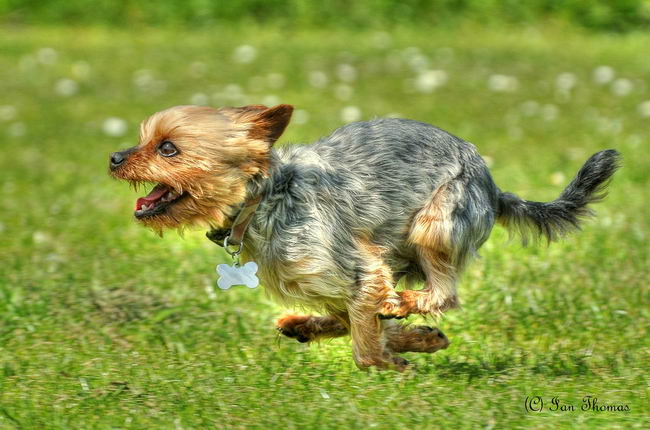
(553, 365)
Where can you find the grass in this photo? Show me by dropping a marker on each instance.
(104, 325)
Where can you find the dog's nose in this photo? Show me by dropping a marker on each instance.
(117, 158)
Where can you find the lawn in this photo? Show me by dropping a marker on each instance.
(105, 325)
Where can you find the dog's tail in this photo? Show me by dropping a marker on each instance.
(554, 219)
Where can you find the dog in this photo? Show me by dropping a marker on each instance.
(336, 224)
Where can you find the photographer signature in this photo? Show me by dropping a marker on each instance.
(589, 403)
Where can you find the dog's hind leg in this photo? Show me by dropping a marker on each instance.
(431, 235)
(445, 234)
(307, 328)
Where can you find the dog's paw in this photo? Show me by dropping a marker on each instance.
(427, 339)
(295, 327)
(399, 307)
(400, 364)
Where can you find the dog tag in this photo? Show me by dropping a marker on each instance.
(237, 275)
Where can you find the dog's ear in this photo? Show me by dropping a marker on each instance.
(268, 124)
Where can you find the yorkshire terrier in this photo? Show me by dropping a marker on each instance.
(336, 224)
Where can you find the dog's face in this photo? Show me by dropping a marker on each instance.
(200, 159)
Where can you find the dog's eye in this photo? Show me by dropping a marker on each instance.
(167, 149)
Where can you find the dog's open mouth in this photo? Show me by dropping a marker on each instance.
(157, 201)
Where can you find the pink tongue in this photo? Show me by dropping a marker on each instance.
(155, 194)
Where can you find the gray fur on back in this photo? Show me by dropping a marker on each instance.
(368, 178)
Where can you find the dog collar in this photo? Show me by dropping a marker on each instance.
(241, 222)
(235, 234)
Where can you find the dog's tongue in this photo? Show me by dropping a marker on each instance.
(155, 194)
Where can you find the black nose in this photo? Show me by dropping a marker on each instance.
(117, 158)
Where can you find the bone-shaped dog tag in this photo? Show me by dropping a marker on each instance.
(237, 275)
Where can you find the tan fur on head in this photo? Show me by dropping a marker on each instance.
(219, 151)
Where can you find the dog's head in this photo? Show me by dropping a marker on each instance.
(200, 160)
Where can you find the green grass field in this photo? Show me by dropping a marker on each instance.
(105, 325)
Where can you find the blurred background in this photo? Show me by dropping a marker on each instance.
(105, 325)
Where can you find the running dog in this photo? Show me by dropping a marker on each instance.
(336, 224)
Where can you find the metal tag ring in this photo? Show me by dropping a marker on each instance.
(231, 253)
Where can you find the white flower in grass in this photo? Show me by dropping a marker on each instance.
(503, 83)
(7, 112)
(393, 62)
(346, 72)
(143, 78)
(343, 92)
(415, 59)
(549, 112)
(159, 86)
(17, 129)
(558, 178)
(232, 89)
(40, 237)
(115, 127)
(271, 100)
(382, 39)
(256, 83)
(350, 114)
(565, 81)
(411, 51)
(276, 80)
(644, 109)
(84, 384)
(429, 80)
(515, 132)
(199, 99)
(80, 69)
(603, 74)
(210, 291)
(300, 116)
(418, 62)
(245, 54)
(445, 54)
(231, 95)
(66, 87)
(47, 55)
(622, 87)
(145, 81)
(634, 140)
(27, 62)
(318, 79)
(530, 107)
(198, 69)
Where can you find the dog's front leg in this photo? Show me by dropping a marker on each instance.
(413, 338)
(308, 328)
(373, 289)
